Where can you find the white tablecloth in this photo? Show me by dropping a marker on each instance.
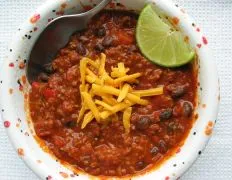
(215, 18)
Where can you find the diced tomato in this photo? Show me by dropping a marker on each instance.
(35, 85)
(177, 110)
(155, 139)
(58, 141)
(49, 93)
(125, 38)
(156, 116)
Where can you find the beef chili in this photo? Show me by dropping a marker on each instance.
(106, 149)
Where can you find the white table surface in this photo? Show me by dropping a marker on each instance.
(215, 18)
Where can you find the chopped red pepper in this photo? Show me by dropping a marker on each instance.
(49, 93)
(156, 116)
(125, 38)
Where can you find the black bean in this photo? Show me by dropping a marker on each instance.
(108, 41)
(71, 124)
(48, 68)
(177, 90)
(163, 146)
(78, 34)
(143, 123)
(83, 39)
(99, 47)
(187, 108)
(81, 49)
(140, 165)
(100, 32)
(43, 77)
(154, 151)
(126, 22)
(165, 114)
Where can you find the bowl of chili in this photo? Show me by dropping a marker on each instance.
(151, 121)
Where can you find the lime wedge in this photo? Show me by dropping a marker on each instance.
(160, 42)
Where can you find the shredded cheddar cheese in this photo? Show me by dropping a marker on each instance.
(104, 94)
(104, 104)
(109, 99)
(149, 92)
(127, 78)
(123, 93)
(87, 119)
(118, 107)
(126, 119)
(102, 64)
(83, 64)
(93, 63)
(81, 113)
(90, 104)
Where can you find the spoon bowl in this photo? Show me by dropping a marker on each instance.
(55, 36)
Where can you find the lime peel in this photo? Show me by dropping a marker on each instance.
(159, 42)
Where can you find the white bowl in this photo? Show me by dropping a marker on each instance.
(14, 88)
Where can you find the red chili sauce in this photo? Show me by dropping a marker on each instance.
(106, 150)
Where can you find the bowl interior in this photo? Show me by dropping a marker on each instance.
(14, 88)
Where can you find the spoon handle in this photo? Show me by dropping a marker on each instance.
(98, 8)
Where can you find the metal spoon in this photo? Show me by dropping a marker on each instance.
(55, 36)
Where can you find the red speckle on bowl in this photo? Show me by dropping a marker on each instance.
(178, 150)
(186, 39)
(175, 20)
(183, 11)
(199, 46)
(6, 124)
(20, 152)
(60, 13)
(64, 175)
(205, 41)
(209, 128)
(49, 178)
(167, 178)
(11, 91)
(63, 5)
(26, 134)
(20, 88)
(39, 161)
(198, 30)
(11, 64)
(22, 65)
(35, 18)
